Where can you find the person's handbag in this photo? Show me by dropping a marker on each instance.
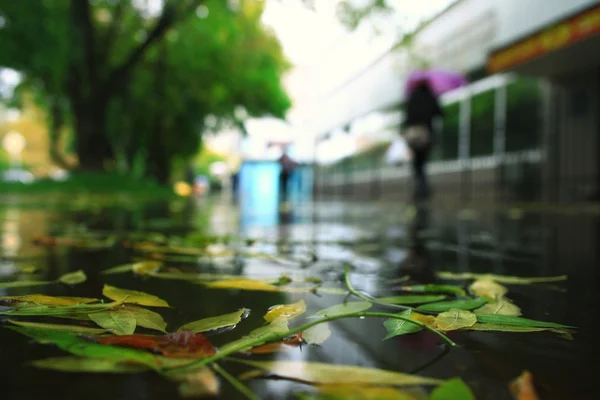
(417, 136)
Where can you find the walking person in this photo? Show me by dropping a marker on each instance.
(422, 107)
(287, 167)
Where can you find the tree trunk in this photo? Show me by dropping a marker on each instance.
(92, 143)
(57, 122)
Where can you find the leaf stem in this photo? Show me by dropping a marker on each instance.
(368, 298)
(236, 383)
(281, 336)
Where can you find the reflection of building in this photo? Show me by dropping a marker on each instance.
(528, 121)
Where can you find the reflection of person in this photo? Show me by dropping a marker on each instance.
(418, 263)
(421, 108)
(287, 167)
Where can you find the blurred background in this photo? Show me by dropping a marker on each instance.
(212, 93)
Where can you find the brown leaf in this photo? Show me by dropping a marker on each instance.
(522, 387)
(183, 344)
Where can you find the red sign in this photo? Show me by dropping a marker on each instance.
(555, 37)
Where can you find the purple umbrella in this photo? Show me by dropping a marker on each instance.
(439, 81)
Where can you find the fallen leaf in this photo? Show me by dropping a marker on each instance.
(360, 392)
(73, 278)
(408, 299)
(522, 388)
(455, 319)
(518, 329)
(286, 311)
(78, 311)
(75, 344)
(28, 269)
(317, 334)
(49, 300)
(515, 280)
(18, 284)
(430, 288)
(70, 328)
(133, 297)
(201, 382)
(516, 321)
(146, 318)
(82, 364)
(488, 289)
(345, 308)
(184, 344)
(292, 341)
(396, 327)
(243, 284)
(320, 373)
(212, 323)
(146, 267)
(118, 321)
(440, 306)
(500, 306)
(119, 269)
(453, 389)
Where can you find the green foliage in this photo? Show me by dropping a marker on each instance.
(136, 89)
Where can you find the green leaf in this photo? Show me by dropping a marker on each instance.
(19, 284)
(73, 278)
(70, 328)
(146, 267)
(411, 299)
(453, 389)
(212, 323)
(75, 344)
(451, 289)
(264, 333)
(320, 373)
(515, 280)
(500, 306)
(133, 297)
(396, 327)
(455, 319)
(360, 392)
(517, 321)
(466, 304)
(317, 334)
(346, 308)
(286, 311)
(119, 269)
(81, 364)
(147, 319)
(75, 311)
(119, 321)
(243, 284)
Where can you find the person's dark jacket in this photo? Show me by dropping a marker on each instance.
(421, 107)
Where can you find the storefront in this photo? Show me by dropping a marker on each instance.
(567, 55)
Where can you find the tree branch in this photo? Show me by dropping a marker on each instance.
(166, 20)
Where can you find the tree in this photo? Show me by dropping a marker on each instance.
(105, 68)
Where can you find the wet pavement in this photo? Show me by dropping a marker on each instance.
(382, 243)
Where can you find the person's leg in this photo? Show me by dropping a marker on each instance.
(421, 188)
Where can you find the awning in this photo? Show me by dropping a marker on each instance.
(566, 45)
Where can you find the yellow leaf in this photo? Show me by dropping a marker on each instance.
(146, 267)
(201, 382)
(321, 373)
(28, 269)
(243, 284)
(358, 392)
(500, 306)
(287, 311)
(133, 297)
(455, 319)
(522, 387)
(119, 321)
(428, 320)
(49, 300)
(488, 288)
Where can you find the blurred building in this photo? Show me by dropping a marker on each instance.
(527, 128)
